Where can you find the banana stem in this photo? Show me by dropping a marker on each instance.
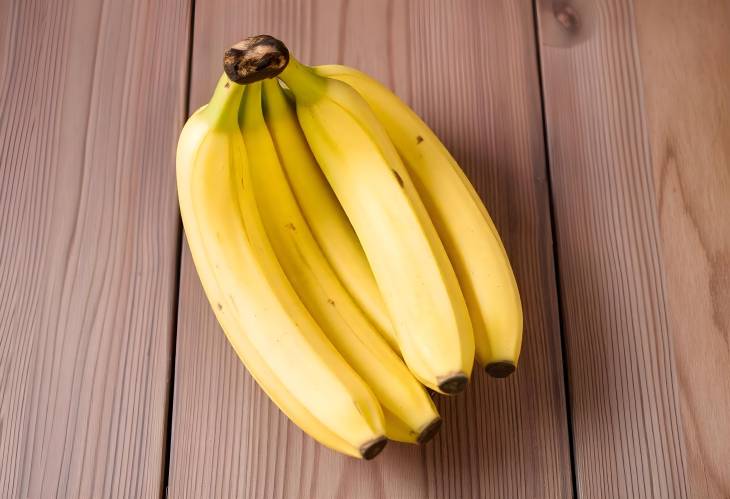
(263, 57)
(252, 97)
(302, 81)
(223, 106)
(255, 58)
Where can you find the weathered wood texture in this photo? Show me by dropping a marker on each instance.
(636, 102)
(91, 100)
(502, 438)
(684, 49)
(623, 390)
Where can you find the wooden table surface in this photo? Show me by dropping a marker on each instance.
(598, 134)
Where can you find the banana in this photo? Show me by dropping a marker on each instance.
(409, 262)
(319, 287)
(399, 431)
(461, 219)
(260, 313)
(323, 213)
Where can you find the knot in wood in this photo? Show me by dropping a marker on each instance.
(567, 17)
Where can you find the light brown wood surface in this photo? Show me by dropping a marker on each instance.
(623, 390)
(683, 50)
(637, 95)
(88, 243)
(502, 438)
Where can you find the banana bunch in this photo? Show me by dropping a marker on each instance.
(345, 254)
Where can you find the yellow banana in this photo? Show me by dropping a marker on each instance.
(409, 262)
(463, 223)
(323, 213)
(260, 313)
(317, 284)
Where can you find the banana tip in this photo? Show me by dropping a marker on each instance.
(453, 383)
(370, 449)
(500, 369)
(429, 431)
(255, 58)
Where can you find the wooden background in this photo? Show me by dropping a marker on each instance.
(597, 132)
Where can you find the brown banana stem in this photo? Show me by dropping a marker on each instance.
(255, 58)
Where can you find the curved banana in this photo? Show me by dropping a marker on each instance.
(409, 262)
(264, 320)
(461, 219)
(323, 213)
(315, 281)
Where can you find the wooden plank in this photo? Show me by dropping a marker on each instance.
(683, 49)
(501, 439)
(91, 101)
(640, 183)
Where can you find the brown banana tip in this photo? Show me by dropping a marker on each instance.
(429, 431)
(370, 449)
(500, 369)
(453, 383)
(255, 58)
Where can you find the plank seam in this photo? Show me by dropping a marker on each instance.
(178, 268)
(556, 260)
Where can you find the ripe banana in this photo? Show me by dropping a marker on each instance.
(463, 223)
(409, 262)
(323, 212)
(260, 313)
(317, 284)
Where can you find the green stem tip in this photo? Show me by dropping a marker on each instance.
(255, 58)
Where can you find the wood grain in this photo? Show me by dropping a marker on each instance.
(636, 100)
(91, 100)
(683, 49)
(470, 69)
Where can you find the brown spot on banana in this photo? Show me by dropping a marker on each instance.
(398, 178)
